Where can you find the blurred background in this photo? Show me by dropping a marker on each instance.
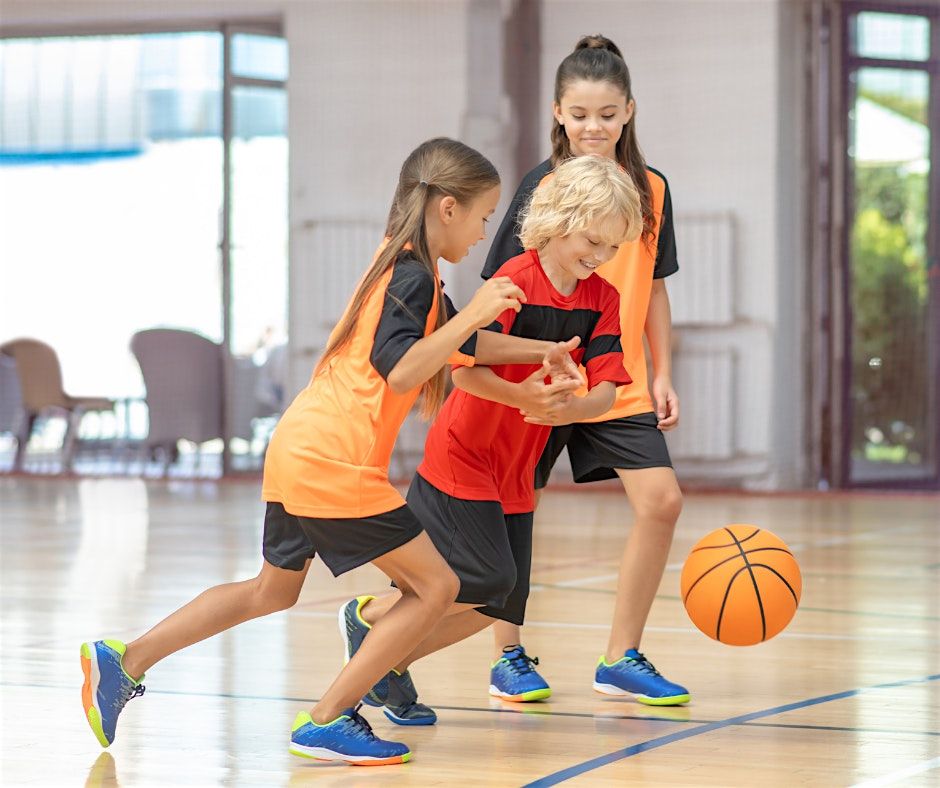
(189, 192)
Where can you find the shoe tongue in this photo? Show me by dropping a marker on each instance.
(632, 653)
(350, 712)
(513, 650)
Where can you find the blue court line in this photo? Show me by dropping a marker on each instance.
(662, 741)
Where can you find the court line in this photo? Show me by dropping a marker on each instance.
(510, 709)
(895, 777)
(661, 741)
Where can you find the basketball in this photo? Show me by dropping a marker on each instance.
(741, 585)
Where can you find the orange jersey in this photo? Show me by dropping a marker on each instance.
(330, 451)
(631, 271)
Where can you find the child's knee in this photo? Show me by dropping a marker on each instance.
(671, 504)
(270, 598)
(662, 506)
(439, 591)
(450, 587)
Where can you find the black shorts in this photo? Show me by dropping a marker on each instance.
(343, 543)
(491, 552)
(597, 450)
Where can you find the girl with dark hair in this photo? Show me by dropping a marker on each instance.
(595, 114)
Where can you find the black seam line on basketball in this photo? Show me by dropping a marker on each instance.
(724, 600)
(562, 775)
(760, 602)
(717, 546)
(783, 580)
(725, 561)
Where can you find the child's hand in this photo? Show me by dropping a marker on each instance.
(545, 399)
(560, 364)
(562, 413)
(666, 402)
(494, 298)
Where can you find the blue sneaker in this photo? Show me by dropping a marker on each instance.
(401, 703)
(514, 678)
(353, 628)
(107, 688)
(633, 674)
(348, 738)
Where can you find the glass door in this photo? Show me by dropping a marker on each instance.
(892, 331)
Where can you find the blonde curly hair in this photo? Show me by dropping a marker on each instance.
(586, 192)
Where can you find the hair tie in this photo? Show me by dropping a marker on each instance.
(423, 183)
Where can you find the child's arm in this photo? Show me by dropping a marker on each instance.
(658, 331)
(595, 403)
(426, 356)
(494, 348)
(532, 394)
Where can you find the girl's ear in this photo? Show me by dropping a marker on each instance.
(556, 111)
(447, 209)
(631, 107)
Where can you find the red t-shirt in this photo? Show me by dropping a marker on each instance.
(480, 450)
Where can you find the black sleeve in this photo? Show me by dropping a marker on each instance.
(666, 262)
(506, 244)
(408, 299)
(469, 347)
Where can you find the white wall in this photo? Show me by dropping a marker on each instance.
(370, 81)
(718, 96)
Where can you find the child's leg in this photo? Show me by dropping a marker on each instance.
(506, 634)
(450, 630)
(213, 611)
(428, 587)
(656, 499)
(378, 606)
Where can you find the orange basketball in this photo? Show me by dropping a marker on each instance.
(741, 585)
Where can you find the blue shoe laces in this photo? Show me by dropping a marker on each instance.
(521, 663)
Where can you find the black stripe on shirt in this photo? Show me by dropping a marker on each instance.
(553, 324)
(601, 345)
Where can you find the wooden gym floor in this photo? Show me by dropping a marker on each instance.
(848, 695)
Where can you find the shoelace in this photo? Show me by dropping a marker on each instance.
(522, 663)
(361, 724)
(645, 665)
(134, 692)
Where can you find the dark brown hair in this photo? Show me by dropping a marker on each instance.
(597, 59)
(435, 169)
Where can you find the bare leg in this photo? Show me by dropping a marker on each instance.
(505, 634)
(428, 588)
(373, 610)
(450, 630)
(657, 501)
(459, 622)
(213, 611)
